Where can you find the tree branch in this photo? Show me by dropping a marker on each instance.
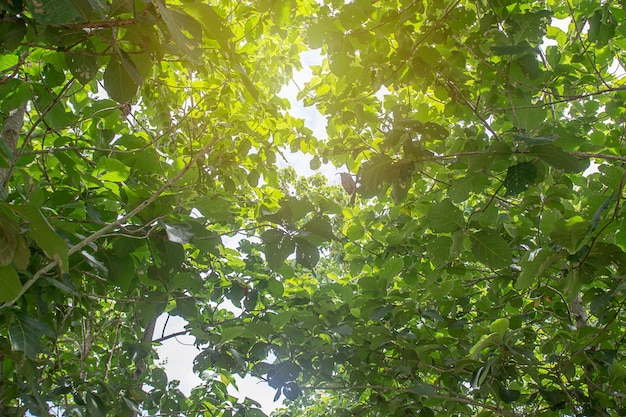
(84, 25)
(96, 235)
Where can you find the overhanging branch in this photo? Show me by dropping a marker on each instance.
(111, 226)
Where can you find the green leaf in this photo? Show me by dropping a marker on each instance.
(277, 252)
(41, 232)
(499, 326)
(11, 35)
(8, 240)
(230, 333)
(131, 68)
(491, 249)
(423, 388)
(109, 169)
(519, 177)
(214, 208)
(95, 405)
(445, 217)
(118, 83)
(484, 341)
(375, 175)
(179, 233)
(560, 159)
(509, 395)
(8, 61)
(184, 29)
(26, 332)
(530, 266)
(391, 268)
(321, 228)
(214, 25)
(522, 48)
(53, 12)
(307, 254)
(21, 258)
(570, 233)
(10, 284)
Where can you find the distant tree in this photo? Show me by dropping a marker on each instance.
(478, 271)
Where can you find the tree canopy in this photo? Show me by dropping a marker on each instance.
(473, 263)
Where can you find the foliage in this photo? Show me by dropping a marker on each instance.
(478, 271)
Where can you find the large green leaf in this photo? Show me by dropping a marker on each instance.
(118, 83)
(184, 29)
(10, 284)
(83, 67)
(213, 24)
(41, 232)
(560, 159)
(26, 333)
(95, 405)
(519, 177)
(53, 12)
(491, 249)
(307, 254)
(8, 240)
(276, 252)
(445, 217)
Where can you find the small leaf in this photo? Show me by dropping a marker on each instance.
(519, 177)
(491, 249)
